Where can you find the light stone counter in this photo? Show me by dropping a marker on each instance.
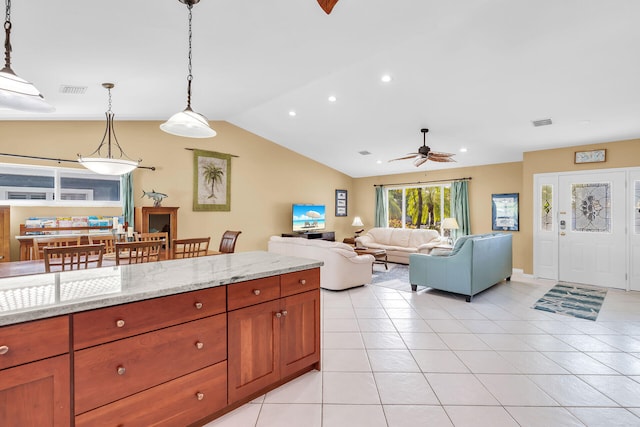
(40, 296)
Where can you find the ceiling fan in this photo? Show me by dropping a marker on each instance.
(424, 153)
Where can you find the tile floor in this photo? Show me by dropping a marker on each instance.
(400, 359)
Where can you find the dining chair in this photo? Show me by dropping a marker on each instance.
(107, 239)
(138, 252)
(72, 257)
(189, 248)
(40, 242)
(228, 241)
(161, 236)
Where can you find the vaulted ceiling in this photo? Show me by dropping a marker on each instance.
(475, 72)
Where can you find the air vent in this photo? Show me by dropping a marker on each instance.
(73, 90)
(543, 122)
(364, 152)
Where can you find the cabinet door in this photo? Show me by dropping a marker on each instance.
(36, 394)
(253, 348)
(300, 339)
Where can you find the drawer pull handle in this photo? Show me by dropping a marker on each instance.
(198, 305)
(4, 349)
(121, 370)
(303, 282)
(278, 315)
(256, 291)
(199, 345)
(200, 395)
(120, 323)
(284, 312)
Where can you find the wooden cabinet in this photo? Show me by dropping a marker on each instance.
(5, 238)
(35, 377)
(148, 219)
(271, 340)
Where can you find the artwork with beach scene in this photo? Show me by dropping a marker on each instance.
(308, 217)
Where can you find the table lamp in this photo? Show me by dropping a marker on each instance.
(357, 222)
(449, 224)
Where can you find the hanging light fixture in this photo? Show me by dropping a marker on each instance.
(109, 165)
(15, 92)
(189, 123)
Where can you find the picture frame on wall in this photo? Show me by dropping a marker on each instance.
(211, 181)
(504, 212)
(341, 202)
(591, 156)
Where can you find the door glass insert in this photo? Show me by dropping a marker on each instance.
(546, 212)
(591, 207)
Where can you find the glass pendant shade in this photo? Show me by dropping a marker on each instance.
(18, 94)
(188, 123)
(106, 166)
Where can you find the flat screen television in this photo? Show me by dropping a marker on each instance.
(308, 217)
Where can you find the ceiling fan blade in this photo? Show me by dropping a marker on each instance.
(408, 156)
(419, 161)
(437, 154)
(327, 5)
(440, 159)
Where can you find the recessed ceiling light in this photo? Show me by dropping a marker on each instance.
(332, 98)
(386, 78)
(292, 113)
(379, 162)
(463, 150)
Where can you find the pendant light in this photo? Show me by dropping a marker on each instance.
(188, 123)
(109, 165)
(15, 92)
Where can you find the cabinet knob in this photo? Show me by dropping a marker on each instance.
(284, 312)
(256, 291)
(278, 315)
(120, 323)
(199, 395)
(4, 349)
(121, 370)
(199, 345)
(303, 282)
(198, 305)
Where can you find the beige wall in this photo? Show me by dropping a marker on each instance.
(266, 178)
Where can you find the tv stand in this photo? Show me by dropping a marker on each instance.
(324, 235)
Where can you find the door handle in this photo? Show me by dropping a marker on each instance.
(563, 233)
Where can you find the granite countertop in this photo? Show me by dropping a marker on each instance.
(40, 296)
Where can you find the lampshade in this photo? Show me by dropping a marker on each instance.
(107, 164)
(188, 123)
(15, 92)
(450, 224)
(357, 222)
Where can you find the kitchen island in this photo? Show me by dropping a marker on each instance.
(171, 343)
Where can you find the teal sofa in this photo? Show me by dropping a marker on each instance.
(475, 263)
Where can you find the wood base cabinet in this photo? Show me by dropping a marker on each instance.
(272, 340)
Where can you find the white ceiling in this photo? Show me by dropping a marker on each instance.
(475, 72)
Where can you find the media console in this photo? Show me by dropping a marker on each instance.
(324, 235)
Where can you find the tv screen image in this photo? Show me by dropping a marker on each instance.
(308, 217)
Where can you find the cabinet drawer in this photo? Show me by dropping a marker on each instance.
(252, 292)
(177, 403)
(121, 321)
(106, 373)
(26, 342)
(300, 281)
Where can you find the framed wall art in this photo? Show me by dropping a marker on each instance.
(504, 212)
(593, 156)
(211, 181)
(341, 202)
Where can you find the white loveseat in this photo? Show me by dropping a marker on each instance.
(343, 268)
(401, 242)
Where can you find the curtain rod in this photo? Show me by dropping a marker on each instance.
(22, 156)
(426, 182)
(191, 149)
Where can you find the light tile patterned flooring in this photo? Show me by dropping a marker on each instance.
(400, 359)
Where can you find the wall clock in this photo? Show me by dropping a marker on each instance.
(592, 156)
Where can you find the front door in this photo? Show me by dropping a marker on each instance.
(634, 235)
(592, 229)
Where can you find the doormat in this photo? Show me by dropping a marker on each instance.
(571, 300)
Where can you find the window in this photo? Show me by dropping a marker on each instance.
(53, 186)
(418, 207)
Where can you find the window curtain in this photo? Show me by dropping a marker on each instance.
(126, 187)
(460, 207)
(381, 207)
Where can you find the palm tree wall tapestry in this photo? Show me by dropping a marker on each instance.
(211, 181)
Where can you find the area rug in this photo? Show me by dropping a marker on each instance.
(397, 277)
(571, 300)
